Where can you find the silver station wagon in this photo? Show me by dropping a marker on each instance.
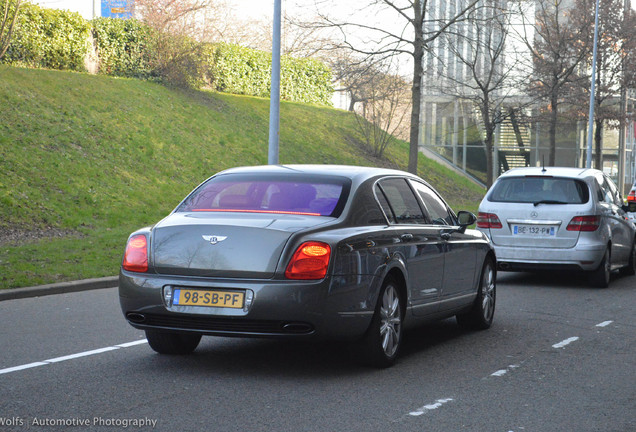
(559, 218)
(302, 251)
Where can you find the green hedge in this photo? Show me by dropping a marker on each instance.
(305, 80)
(122, 47)
(239, 70)
(49, 38)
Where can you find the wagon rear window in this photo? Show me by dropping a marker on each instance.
(291, 194)
(540, 189)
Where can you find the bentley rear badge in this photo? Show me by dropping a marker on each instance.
(213, 239)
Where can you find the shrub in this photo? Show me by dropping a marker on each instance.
(177, 60)
(305, 80)
(49, 38)
(122, 47)
(240, 70)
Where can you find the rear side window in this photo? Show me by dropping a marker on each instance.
(539, 189)
(401, 204)
(291, 194)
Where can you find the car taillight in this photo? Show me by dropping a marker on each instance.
(136, 255)
(584, 223)
(631, 196)
(488, 220)
(310, 261)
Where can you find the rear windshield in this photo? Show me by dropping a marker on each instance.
(289, 194)
(549, 190)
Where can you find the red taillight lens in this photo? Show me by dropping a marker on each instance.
(136, 256)
(584, 223)
(631, 196)
(488, 220)
(310, 261)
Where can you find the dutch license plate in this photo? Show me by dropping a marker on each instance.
(209, 298)
(534, 230)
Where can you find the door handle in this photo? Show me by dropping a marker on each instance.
(406, 237)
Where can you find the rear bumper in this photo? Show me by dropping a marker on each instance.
(279, 308)
(587, 257)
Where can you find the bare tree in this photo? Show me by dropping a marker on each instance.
(410, 30)
(10, 10)
(381, 109)
(486, 71)
(558, 42)
(616, 45)
(178, 17)
(178, 28)
(353, 76)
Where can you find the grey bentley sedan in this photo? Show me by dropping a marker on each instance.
(302, 251)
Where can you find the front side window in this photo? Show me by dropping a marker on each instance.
(437, 209)
(540, 189)
(302, 195)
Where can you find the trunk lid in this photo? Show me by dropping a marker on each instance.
(224, 244)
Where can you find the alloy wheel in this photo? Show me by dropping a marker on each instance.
(488, 293)
(390, 321)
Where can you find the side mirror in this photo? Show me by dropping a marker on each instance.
(466, 218)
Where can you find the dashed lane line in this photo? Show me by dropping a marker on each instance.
(604, 324)
(499, 373)
(430, 407)
(565, 342)
(71, 357)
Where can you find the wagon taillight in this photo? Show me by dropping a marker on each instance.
(488, 220)
(584, 223)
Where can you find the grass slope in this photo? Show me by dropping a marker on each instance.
(85, 160)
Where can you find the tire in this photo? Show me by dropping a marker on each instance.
(630, 268)
(172, 343)
(601, 276)
(482, 312)
(381, 344)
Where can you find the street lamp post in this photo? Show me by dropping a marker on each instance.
(590, 126)
(274, 102)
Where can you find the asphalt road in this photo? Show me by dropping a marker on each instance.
(559, 357)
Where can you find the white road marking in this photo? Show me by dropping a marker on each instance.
(78, 355)
(438, 403)
(565, 342)
(604, 324)
(70, 357)
(18, 368)
(129, 344)
(502, 372)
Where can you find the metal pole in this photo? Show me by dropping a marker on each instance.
(623, 123)
(274, 103)
(590, 126)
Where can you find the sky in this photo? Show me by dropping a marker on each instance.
(253, 8)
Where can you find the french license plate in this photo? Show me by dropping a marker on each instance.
(209, 298)
(534, 230)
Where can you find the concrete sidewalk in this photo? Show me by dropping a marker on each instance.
(59, 288)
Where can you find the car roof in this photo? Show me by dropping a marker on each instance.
(349, 171)
(552, 172)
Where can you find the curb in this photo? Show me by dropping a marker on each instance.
(59, 288)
